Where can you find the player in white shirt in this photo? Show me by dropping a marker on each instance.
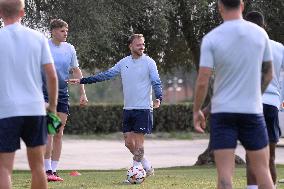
(271, 101)
(24, 52)
(240, 54)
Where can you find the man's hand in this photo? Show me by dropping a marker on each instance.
(156, 103)
(73, 81)
(199, 121)
(83, 100)
(50, 108)
(206, 111)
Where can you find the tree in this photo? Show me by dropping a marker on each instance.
(274, 16)
(173, 28)
(100, 29)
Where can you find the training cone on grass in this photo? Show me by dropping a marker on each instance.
(74, 173)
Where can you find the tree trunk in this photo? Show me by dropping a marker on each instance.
(207, 158)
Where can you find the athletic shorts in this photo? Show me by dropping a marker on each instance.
(31, 129)
(272, 122)
(227, 128)
(62, 107)
(138, 121)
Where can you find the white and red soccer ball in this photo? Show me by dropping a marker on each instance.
(136, 175)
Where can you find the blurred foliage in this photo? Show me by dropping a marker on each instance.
(173, 28)
(274, 16)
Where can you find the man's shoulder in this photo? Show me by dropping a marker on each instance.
(213, 33)
(32, 32)
(125, 59)
(276, 44)
(26, 31)
(255, 29)
(68, 46)
(148, 59)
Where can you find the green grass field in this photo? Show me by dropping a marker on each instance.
(171, 178)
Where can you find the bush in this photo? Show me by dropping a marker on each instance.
(108, 118)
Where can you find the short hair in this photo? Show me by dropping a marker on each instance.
(255, 17)
(231, 4)
(135, 36)
(57, 23)
(11, 8)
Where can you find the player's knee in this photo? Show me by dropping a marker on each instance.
(58, 136)
(129, 145)
(5, 170)
(36, 168)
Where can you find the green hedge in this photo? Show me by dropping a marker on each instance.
(108, 118)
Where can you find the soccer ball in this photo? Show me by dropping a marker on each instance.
(136, 175)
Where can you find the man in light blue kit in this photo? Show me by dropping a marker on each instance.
(23, 54)
(240, 54)
(139, 74)
(271, 101)
(65, 60)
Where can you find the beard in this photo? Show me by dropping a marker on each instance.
(138, 52)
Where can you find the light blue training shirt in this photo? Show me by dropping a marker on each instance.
(271, 95)
(236, 50)
(23, 52)
(138, 77)
(65, 59)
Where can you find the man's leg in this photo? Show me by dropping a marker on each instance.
(272, 167)
(259, 163)
(138, 152)
(251, 180)
(6, 168)
(273, 130)
(48, 151)
(135, 143)
(129, 142)
(57, 143)
(225, 163)
(35, 158)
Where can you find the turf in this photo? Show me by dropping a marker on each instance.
(171, 178)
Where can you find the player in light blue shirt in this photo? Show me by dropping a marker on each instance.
(23, 53)
(139, 75)
(240, 54)
(65, 61)
(271, 101)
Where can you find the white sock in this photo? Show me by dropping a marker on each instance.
(54, 165)
(137, 163)
(252, 187)
(146, 164)
(47, 164)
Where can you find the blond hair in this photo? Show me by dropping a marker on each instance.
(135, 36)
(11, 8)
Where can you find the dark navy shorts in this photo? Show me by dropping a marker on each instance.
(227, 128)
(62, 107)
(138, 121)
(32, 130)
(272, 122)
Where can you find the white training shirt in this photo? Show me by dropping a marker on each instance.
(236, 50)
(23, 51)
(271, 95)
